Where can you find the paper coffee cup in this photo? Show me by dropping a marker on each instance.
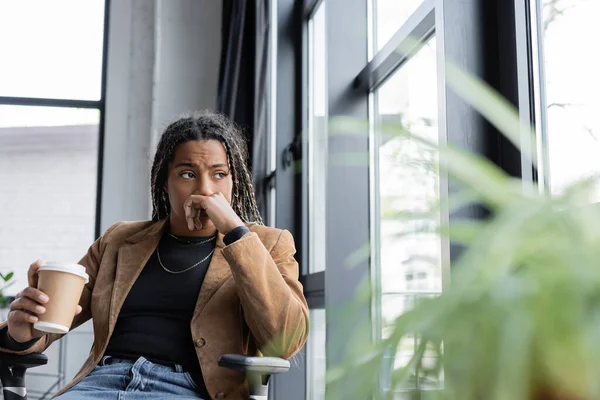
(63, 283)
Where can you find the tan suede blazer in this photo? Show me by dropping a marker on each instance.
(251, 300)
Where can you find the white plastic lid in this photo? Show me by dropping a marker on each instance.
(50, 327)
(74, 269)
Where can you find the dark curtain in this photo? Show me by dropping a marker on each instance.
(243, 92)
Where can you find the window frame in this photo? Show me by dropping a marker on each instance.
(314, 282)
(530, 17)
(410, 38)
(531, 67)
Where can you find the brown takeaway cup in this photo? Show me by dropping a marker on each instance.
(63, 283)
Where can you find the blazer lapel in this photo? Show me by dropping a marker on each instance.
(217, 274)
(132, 258)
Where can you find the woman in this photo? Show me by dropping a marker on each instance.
(169, 296)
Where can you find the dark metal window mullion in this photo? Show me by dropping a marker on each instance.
(102, 124)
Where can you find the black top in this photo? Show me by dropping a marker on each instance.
(154, 321)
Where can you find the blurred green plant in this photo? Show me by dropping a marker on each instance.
(6, 282)
(521, 317)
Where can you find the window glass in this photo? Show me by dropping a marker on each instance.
(407, 192)
(315, 346)
(572, 84)
(48, 175)
(317, 140)
(51, 49)
(390, 15)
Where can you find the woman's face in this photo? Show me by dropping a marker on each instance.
(200, 167)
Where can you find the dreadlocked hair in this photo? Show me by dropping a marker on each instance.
(205, 125)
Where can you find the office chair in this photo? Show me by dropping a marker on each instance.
(258, 370)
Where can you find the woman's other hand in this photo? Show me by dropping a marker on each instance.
(217, 209)
(28, 305)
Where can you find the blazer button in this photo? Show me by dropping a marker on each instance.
(220, 395)
(200, 342)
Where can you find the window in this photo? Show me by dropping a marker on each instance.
(315, 148)
(48, 171)
(406, 192)
(394, 80)
(51, 49)
(52, 99)
(317, 139)
(390, 15)
(572, 84)
(51, 102)
(315, 346)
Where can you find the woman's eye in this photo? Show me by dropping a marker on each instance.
(220, 175)
(187, 175)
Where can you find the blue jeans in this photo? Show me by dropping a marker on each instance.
(123, 379)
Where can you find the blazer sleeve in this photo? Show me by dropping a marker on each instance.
(274, 305)
(91, 262)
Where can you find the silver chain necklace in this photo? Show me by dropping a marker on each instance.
(193, 266)
(185, 270)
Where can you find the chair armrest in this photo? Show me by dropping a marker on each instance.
(25, 361)
(258, 371)
(12, 373)
(260, 365)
